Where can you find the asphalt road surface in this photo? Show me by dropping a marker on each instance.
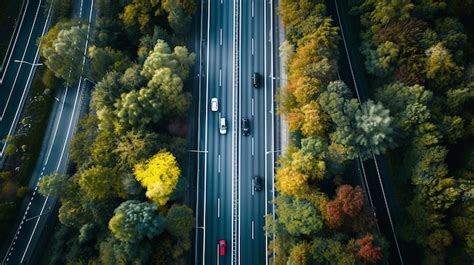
(215, 163)
(255, 105)
(227, 163)
(19, 66)
(53, 158)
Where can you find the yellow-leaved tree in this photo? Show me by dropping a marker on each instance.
(159, 175)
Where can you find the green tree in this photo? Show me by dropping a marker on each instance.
(103, 60)
(179, 223)
(114, 251)
(440, 66)
(381, 62)
(142, 13)
(82, 141)
(452, 33)
(373, 128)
(134, 221)
(63, 50)
(331, 251)
(178, 61)
(408, 104)
(134, 146)
(178, 18)
(299, 217)
(300, 254)
(337, 103)
(52, 185)
(459, 98)
(378, 13)
(99, 183)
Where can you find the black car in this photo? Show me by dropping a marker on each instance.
(257, 183)
(256, 80)
(245, 127)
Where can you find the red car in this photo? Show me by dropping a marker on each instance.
(222, 246)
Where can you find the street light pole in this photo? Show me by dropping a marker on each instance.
(197, 151)
(87, 79)
(34, 217)
(25, 62)
(274, 151)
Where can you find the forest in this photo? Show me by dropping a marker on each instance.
(417, 57)
(125, 201)
(322, 217)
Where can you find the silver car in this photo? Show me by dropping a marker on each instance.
(222, 126)
(214, 104)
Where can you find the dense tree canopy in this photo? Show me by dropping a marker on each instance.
(137, 108)
(424, 88)
(63, 49)
(135, 220)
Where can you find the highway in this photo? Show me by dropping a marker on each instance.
(19, 65)
(36, 209)
(233, 46)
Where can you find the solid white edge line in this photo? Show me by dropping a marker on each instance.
(206, 131)
(79, 89)
(266, 125)
(17, 31)
(22, 99)
(198, 139)
(239, 188)
(22, 58)
(376, 165)
(272, 70)
(32, 233)
(78, 92)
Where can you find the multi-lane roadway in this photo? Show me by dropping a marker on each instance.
(235, 43)
(218, 161)
(256, 149)
(19, 65)
(36, 208)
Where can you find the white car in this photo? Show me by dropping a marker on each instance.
(222, 126)
(214, 104)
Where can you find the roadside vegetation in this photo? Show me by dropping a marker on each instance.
(124, 203)
(419, 56)
(322, 215)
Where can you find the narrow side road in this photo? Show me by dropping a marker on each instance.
(19, 66)
(53, 158)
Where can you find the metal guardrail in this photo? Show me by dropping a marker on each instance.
(235, 147)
